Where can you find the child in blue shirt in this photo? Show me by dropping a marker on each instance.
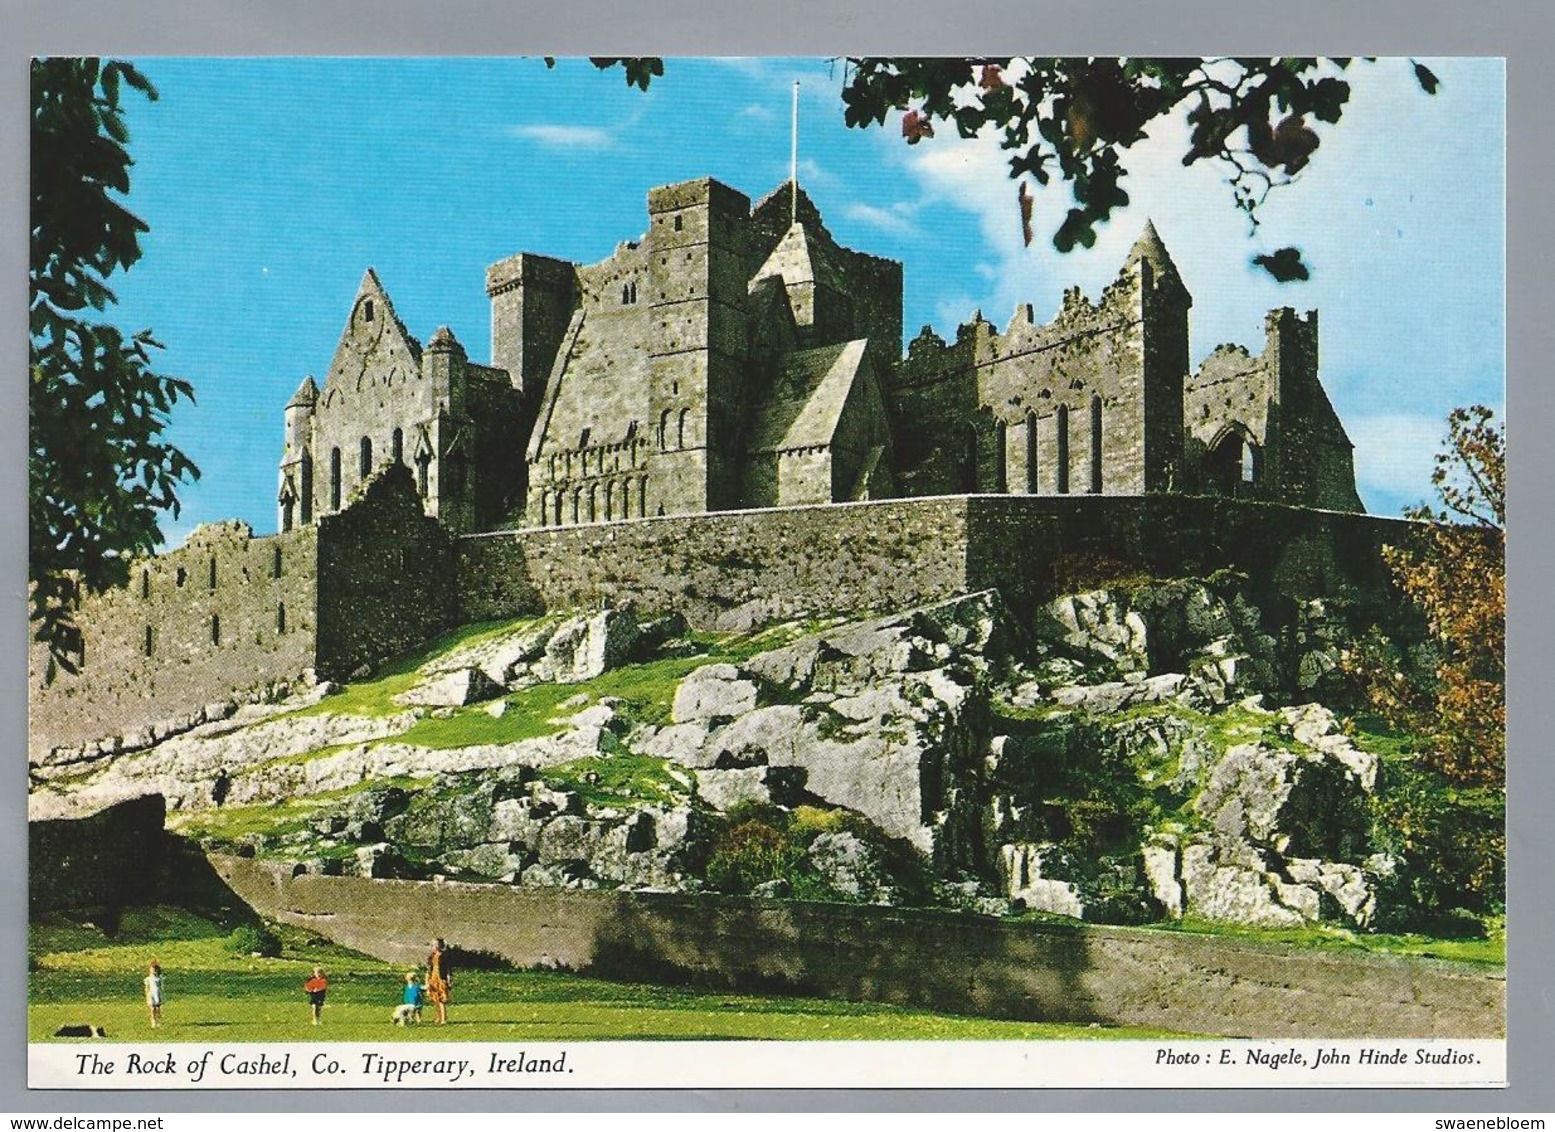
(408, 1012)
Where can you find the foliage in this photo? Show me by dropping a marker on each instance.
(100, 472)
(1448, 842)
(761, 843)
(619, 778)
(1080, 572)
(747, 855)
(1454, 570)
(1487, 947)
(1259, 118)
(254, 939)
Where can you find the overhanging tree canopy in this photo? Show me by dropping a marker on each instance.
(100, 472)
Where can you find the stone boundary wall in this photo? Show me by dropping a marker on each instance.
(105, 861)
(734, 569)
(1025, 545)
(228, 614)
(727, 570)
(380, 578)
(222, 616)
(957, 963)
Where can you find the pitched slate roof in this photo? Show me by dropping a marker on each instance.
(807, 396)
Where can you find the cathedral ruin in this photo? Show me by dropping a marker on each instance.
(736, 358)
(718, 420)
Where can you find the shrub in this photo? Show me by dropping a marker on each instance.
(1449, 844)
(1081, 573)
(254, 939)
(747, 855)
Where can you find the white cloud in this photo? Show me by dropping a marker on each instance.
(814, 175)
(896, 218)
(556, 136)
(759, 112)
(1394, 455)
(749, 66)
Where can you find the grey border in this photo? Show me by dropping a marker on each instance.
(1519, 31)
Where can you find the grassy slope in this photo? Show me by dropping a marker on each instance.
(647, 691)
(81, 977)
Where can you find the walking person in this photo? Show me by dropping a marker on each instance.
(316, 986)
(440, 980)
(153, 985)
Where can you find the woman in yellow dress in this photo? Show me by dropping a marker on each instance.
(440, 978)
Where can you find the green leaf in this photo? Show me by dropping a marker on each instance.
(1426, 78)
(1284, 265)
(100, 470)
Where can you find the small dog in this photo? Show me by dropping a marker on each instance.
(405, 1014)
(80, 1032)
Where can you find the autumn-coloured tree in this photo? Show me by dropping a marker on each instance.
(1455, 571)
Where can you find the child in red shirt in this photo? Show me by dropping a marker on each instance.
(316, 986)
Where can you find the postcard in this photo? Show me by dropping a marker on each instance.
(965, 572)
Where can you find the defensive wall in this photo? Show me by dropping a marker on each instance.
(731, 570)
(224, 614)
(947, 961)
(231, 616)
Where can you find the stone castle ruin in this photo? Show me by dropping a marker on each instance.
(736, 358)
(671, 427)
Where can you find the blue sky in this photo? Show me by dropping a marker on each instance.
(270, 185)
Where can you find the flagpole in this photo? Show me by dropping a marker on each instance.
(793, 160)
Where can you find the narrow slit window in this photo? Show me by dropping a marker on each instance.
(1095, 445)
(307, 490)
(1031, 453)
(1062, 454)
(1001, 457)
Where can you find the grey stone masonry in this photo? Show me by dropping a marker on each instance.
(737, 356)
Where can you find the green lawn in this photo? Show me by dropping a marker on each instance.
(78, 976)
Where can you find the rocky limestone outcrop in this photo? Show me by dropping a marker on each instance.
(1288, 832)
(888, 718)
(1112, 760)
